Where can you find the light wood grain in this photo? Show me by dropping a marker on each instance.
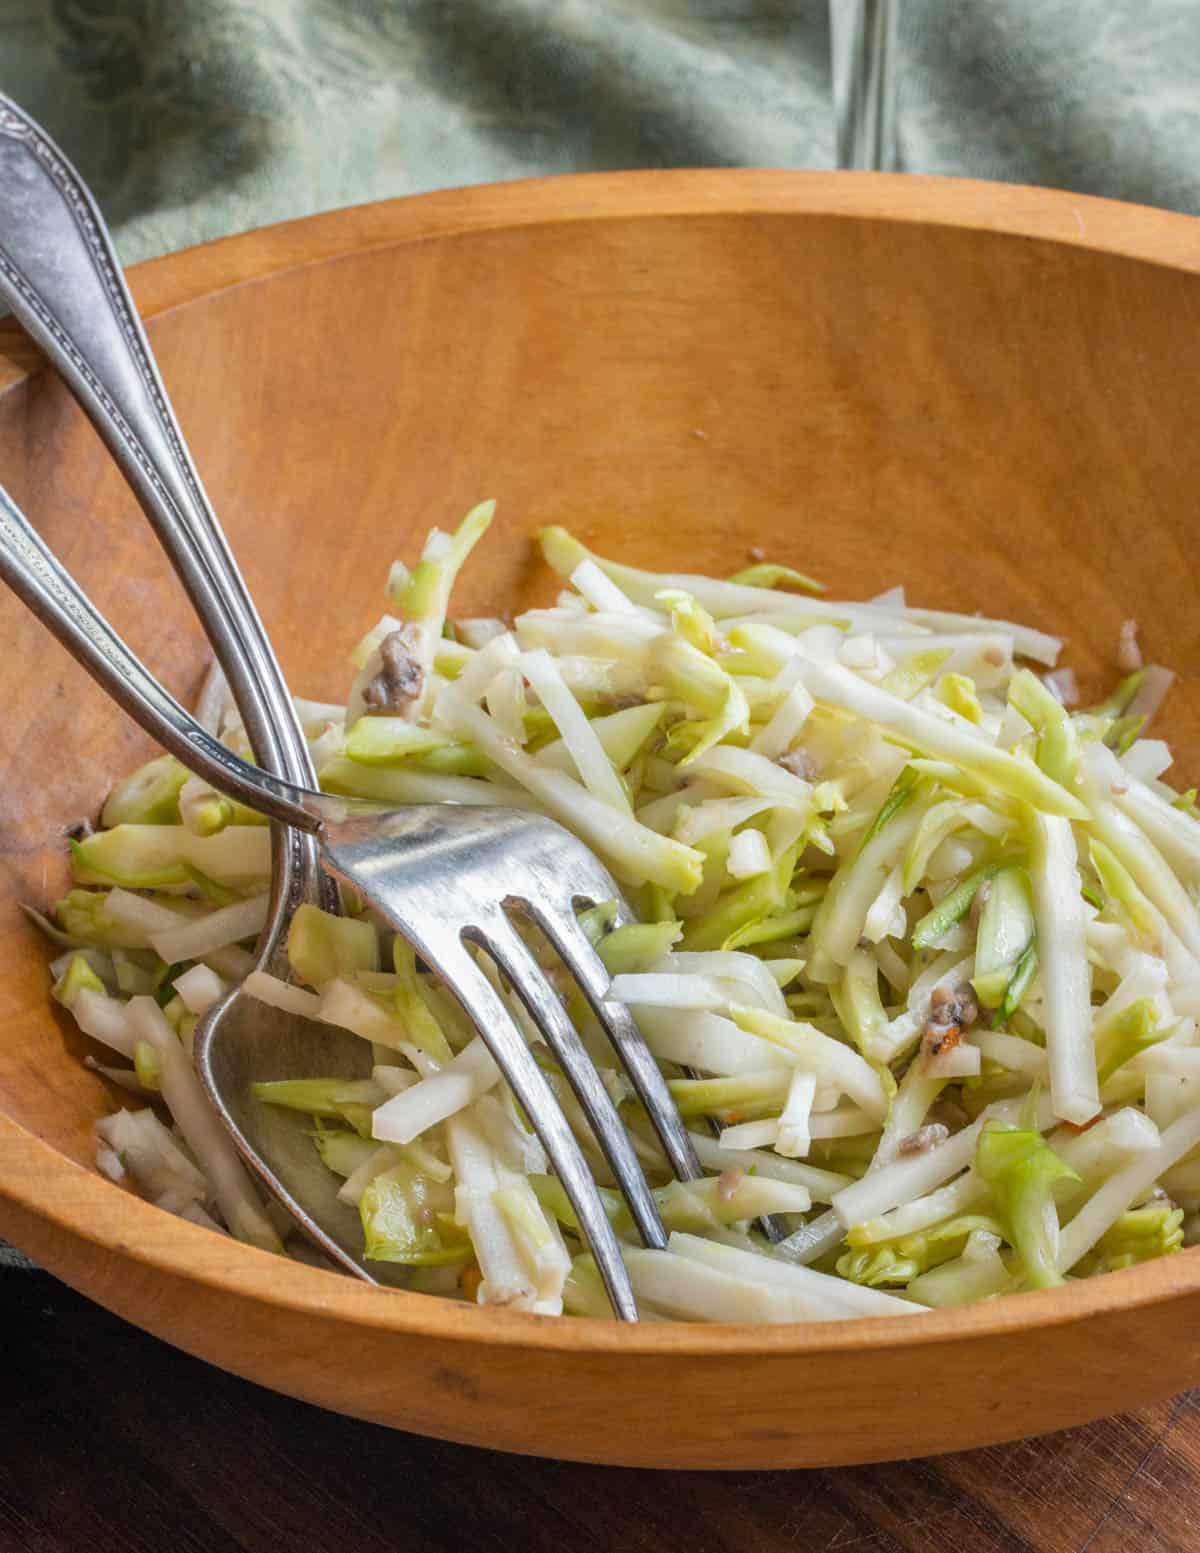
(975, 391)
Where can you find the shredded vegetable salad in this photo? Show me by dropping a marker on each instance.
(918, 949)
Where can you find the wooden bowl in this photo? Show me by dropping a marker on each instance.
(984, 393)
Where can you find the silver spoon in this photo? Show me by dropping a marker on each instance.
(60, 274)
(863, 68)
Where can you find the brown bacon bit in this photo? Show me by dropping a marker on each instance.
(924, 1139)
(940, 1038)
(940, 1000)
(400, 679)
(757, 553)
(951, 1014)
(799, 762)
(968, 1005)
(728, 1182)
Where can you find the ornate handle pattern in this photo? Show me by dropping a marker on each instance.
(60, 275)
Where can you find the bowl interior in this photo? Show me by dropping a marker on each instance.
(999, 422)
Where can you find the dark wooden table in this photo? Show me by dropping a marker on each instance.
(112, 1442)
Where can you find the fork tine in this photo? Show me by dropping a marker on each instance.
(560, 926)
(448, 957)
(771, 1225)
(500, 940)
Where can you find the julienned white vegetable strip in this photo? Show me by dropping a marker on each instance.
(1026, 641)
(749, 855)
(794, 1138)
(842, 917)
(105, 1019)
(821, 1297)
(726, 598)
(141, 1145)
(1120, 1191)
(1011, 1052)
(746, 771)
(238, 856)
(621, 736)
(594, 768)
(912, 1176)
(820, 1183)
(200, 988)
(521, 1255)
(778, 736)
(835, 686)
(1066, 978)
(743, 977)
(240, 1204)
(650, 990)
(831, 1061)
(722, 599)
(906, 1178)
(677, 1288)
(944, 1202)
(124, 907)
(281, 994)
(633, 851)
(1149, 871)
(904, 910)
(1174, 833)
(751, 1136)
(395, 784)
(600, 591)
(710, 1042)
(435, 1098)
(227, 925)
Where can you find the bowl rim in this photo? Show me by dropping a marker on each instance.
(80, 1204)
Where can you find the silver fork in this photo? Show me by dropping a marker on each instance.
(450, 879)
(60, 274)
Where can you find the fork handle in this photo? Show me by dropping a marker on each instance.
(60, 275)
(41, 582)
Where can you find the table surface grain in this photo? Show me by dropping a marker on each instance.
(111, 1440)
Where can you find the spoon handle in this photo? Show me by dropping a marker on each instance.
(863, 37)
(60, 275)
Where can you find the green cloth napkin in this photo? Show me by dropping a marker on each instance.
(195, 118)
